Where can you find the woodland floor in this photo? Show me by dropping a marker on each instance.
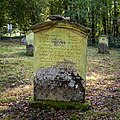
(16, 87)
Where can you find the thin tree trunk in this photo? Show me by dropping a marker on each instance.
(93, 23)
(115, 22)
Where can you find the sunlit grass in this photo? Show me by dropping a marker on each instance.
(16, 76)
(16, 72)
(15, 93)
(103, 66)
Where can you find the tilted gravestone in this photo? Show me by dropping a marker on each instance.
(103, 44)
(60, 61)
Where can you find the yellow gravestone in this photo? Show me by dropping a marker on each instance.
(60, 61)
(30, 38)
(30, 43)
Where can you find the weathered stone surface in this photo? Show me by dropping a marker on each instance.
(23, 41)
(30, 38)
(102, 48)
(29, 50)
(60, 60)
(59, 83)
(103, 44)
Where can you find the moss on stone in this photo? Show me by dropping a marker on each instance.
(59, 105)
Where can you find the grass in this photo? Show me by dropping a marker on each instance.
(59, 105)
(16, 71)
(16, 87)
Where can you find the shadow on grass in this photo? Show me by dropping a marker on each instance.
(21, 54)
(14, 55)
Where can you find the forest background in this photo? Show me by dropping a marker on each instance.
(102, 16)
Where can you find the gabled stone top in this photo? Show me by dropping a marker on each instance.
(60, 22)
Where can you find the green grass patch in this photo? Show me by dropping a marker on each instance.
(59, 105)
(74, 117)
(7, 100)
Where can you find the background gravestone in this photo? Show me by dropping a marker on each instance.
(30, 43)
(23, 41)
(60, 61)
(103, 44)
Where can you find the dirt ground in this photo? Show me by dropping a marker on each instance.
(16, 86)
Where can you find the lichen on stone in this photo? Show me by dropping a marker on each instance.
(59, 82)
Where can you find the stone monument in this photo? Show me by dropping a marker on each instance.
(103, 44)
(60, 60)
(30, 43)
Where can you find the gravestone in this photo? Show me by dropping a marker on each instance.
(30, 43)
(23, 41)
(103, 44)
(60, 61)
(29, 50)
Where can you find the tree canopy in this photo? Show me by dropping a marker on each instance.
(102, 16)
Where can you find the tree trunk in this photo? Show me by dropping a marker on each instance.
(115, 22)
(93, 27)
